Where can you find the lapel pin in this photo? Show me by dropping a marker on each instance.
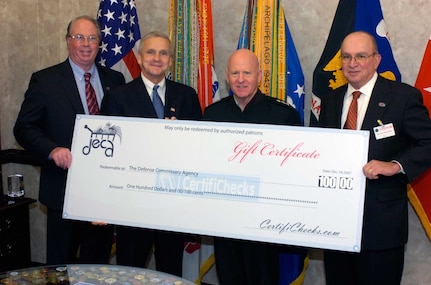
(382, 104)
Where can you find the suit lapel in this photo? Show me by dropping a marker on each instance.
(143, 102)
(338, 106)
(379, 102)
(69, 87)
(104, 78)
(172, 101)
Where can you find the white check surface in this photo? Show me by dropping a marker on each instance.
(289, 185)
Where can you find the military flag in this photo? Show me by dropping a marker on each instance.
(265, 32)
(418, 191)
(191, 33)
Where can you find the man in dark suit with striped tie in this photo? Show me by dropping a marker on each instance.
(400, 143)
(44, 127)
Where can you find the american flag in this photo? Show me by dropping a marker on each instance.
(120, 34)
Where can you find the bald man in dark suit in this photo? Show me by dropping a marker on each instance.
(396, 157)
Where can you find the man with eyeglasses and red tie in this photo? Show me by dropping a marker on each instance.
(44, 127)
(399, 147)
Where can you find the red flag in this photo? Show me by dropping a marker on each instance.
(423, 82)
(419, 189)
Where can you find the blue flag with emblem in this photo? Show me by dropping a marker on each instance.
(295, 76)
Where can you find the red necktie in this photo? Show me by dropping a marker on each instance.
(352, 115)
(93, 107)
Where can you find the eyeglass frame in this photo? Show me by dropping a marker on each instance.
(346, 58)
(92, 39)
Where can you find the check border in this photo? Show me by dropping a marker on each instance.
(289, 185)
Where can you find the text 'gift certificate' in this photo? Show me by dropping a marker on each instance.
(289, 185)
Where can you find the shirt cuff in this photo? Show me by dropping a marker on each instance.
(401, 167)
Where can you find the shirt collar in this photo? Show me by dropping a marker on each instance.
(150, 85)
(367, 89)
(78, 71)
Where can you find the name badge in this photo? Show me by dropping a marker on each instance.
(384, 131)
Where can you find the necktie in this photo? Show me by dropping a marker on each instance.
(93, 107)
(352, 115)
(157, 102)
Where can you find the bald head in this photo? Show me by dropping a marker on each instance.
(243, 55)
(243, 75)
(361, 48)
(365, 37)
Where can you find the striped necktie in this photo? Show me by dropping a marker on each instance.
(93, 107)
(352, 115)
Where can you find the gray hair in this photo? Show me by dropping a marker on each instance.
(84, 17)
(155, 34)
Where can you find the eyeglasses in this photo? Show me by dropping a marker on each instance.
(81, 38)
(346, 58)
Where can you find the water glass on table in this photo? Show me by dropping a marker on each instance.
(15, 186)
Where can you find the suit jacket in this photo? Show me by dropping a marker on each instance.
(385, 212)
(46, 120)
(133, 100)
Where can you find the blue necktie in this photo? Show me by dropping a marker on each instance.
(157, 103)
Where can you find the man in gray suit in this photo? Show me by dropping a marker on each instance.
(44, 127)
(399, 147)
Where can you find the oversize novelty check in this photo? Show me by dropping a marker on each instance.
(288, 185)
